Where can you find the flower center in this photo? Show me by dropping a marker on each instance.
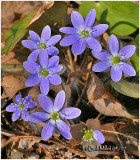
(54, 116)
(84, 31)
(115, 60)
(44, 72)
(42, 46)
(85, 34)
(88, 134)
(21, 106)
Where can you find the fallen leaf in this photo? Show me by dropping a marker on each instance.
(93, 124)
(15, 154)
(90, 148)
(11, 85)
(109, 107)
(108, 131)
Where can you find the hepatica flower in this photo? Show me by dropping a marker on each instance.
(83, 33)
(91, 135)
(115, 59)
(45, 73)
(53, 115)
(21, 107)
(46, 42)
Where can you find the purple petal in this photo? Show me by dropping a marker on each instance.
(57, 69)
(29, 44)
(11, 108)
(98, 136)
(90, 18)
(44, 86)
(64, 129)
(45, 102)
(43, 58)
(35, 37)
(31, 66)
(76, 19)
(94, 44)
(69, 40)
(79, 46)
(25, 115)
(127, 51)
(31, 104)
(46, 33)
(53, 61)
(55, 79)
(52, 51)
(68, 30)
(128, 69)
(113, 44)
(70, 113)
(102, 55)
(16, 115)
(101, 66)
(18, 99)
(38, 117)
(59, 100)
(116, 73)
(99, 29)
(48, 130)
(33, 55)
(33, 80)
(53, 40)
(27, 99)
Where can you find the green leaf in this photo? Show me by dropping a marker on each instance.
(137, 40)
(122, 16)
(16, 32)
(135, 61)
(126, 88)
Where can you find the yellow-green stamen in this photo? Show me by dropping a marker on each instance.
(42, 46)
(44, 72)
(88, 134)
(84, 34)
(54, 116)
(115, 60)
(21, 106)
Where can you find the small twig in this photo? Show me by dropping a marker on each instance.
(99, 115)
(82, 94)
(7, 142)
(120, 134)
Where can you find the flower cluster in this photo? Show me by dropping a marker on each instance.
(44, 67)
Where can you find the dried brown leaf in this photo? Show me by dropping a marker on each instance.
(93, 124)
(110, 107)
(11, 85)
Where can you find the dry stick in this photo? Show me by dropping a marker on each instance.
(75, 151)
(99, 115)
(120, 134)
(7, 142)
(79, 99)
(70, 59)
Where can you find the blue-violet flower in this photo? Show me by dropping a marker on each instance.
(83, 33)
(46, 42)
(90, 135)
(23, 104)
(45, 73)
(54, 115)
(115, 60)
